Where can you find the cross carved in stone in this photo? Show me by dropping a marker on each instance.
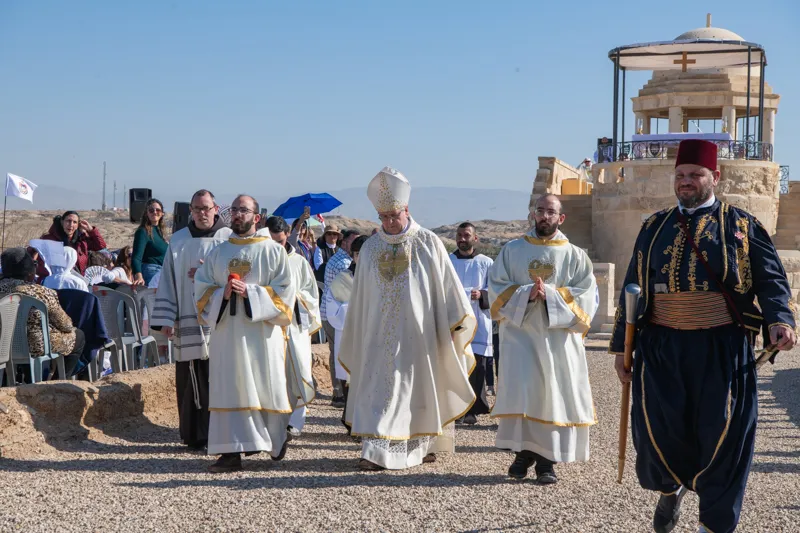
(683, 62)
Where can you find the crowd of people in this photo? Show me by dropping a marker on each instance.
(412, 340)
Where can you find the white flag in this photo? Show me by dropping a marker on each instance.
(19, 187)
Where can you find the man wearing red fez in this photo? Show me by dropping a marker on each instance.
(700, 265)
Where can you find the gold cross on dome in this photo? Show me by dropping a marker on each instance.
(683, 62)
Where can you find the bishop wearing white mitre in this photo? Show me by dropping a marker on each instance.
(406, 338)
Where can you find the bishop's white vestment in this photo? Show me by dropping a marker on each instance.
(337, 301)
(250, 401)
(544, 401)
(406, 345)
(305, 322)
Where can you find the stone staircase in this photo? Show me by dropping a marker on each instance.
(578, 224)
(787, 236)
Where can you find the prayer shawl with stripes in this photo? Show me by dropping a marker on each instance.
(175, 300)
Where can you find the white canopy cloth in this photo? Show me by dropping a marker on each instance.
(705, 54)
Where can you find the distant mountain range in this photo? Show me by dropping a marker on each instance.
(430, 206)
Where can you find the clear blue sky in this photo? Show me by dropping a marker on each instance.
(286, 97)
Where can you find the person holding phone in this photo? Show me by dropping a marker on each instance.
(76, 233)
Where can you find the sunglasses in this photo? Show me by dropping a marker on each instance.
(154, 210)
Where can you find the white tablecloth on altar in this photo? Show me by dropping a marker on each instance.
(681, 136)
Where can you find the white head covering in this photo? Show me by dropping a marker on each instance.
(389, 190)
(63, 277)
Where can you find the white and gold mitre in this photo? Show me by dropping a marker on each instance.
(389, 190)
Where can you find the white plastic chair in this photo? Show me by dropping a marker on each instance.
(14, 348)
(115, 305)
(145, 298)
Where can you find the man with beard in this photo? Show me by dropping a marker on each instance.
(472, 269)
(305, 322)
(175, 314)
(701, 265)
(406, 339)
(244, 292)
(543, 292)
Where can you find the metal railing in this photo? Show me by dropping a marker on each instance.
(784, 179)
(634, 150)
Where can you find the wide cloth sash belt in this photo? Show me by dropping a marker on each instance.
(690, 310)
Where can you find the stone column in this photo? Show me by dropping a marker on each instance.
(675, 120)
(768, 131)
(645, 123)
(729, 113)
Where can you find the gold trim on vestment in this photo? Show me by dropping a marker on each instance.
(549, 422)
(545, 242)
(203, 302)
(283, 309)
(580, 314)
(501, 300)
(250, 240)
(779, 324)
(650, 433)
(316, 330)
(721, 439)
(261, 409)
(753, 316)
(670, 493)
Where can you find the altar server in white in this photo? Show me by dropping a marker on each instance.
(305, 322)
(244, 292)
(543, 292)
(175, 314)
(473, 271)
(406, 339)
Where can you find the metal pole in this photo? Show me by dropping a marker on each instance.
(5, 202)
(747, 113)
(622, 112)
(761, 100)
(616, 107)
(103, 205)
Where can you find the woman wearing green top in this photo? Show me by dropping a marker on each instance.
(149, 245)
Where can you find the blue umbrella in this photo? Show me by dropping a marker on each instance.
(319, 204)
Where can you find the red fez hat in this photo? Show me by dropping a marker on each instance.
(697, 152)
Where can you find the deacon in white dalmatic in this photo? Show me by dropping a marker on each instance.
(406, 339)
(245, 293)
(175, 314)
(543, 292)
(305, 322)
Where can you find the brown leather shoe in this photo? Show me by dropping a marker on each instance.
(430, 458)
(228, 462)
(369, 466)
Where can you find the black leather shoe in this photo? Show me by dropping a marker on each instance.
(519, 468)
(470, 420)
(668, 511)
(282, 454)
(228, 462)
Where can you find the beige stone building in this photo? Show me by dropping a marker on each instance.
(704, 74)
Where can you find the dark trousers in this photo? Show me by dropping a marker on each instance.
(191, 386)
(493, 368)
(694, 416)
(478, 381)
(330, 333)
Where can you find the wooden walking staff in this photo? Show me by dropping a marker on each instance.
(632, 293)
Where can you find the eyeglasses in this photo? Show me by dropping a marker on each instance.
(241, 211)
(549, 213)
(154, 210)
(390, 218)
(203, 209)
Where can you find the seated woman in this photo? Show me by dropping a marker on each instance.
(115, 273)
(19, 271)
(78, 234)
(64, 277)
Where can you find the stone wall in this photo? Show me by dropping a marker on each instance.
(791, 263)
(618, 209)
(551, 173)
(604, 274)
(787, 235)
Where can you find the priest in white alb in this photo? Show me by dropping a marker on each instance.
(544, 295)
(305, 322)
(406, 338)
(244, 292)
(175, 313)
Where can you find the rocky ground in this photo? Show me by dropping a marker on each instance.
(131, 475)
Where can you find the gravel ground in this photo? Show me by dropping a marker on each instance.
(138, 479)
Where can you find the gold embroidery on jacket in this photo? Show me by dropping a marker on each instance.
(675, 250)
(744, 272)
(639, 258)
(700, 233)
